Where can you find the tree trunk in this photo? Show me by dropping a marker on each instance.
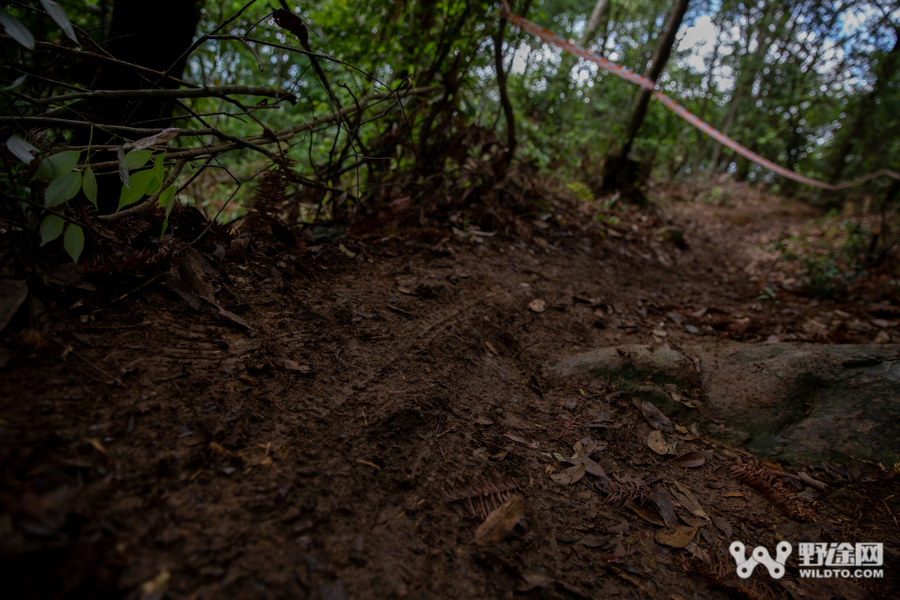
(152, 35)
(508, 154)
(613, 171)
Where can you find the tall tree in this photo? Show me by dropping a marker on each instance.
(616, 162)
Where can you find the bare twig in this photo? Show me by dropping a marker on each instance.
(37, 205)
(101, 57)
(204, 92)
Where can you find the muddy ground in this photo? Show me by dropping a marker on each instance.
(383, 396)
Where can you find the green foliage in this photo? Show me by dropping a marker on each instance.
(581, 190)
(830, 268)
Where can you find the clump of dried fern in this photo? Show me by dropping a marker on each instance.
(480, 494)
(269, 197)
(773, 489)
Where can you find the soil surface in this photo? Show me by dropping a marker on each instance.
(342, 423)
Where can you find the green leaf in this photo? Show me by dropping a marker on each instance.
(74, 241)
(58, 165)
(63, 189)
(51, 228)
(89, 185)
(158, 166)
(14, 29)
(137, 158)
(167, 199)
(57, 13)
(139, 184)
(20, 148)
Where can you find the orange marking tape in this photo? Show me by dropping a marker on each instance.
(628, 75)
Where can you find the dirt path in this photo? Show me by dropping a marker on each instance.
(313, 458)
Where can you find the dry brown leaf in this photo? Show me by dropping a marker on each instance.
(500, 522)
(724, 526)
(661, 501)
(655, 417)
(689, 460)
(590, 465)
(681, 537)
(656, 441)
(733, 495)
(570, 475)
(690, 502)
(521, 440)
(648, 514)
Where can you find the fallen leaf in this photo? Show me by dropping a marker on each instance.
(655, 417)
(689, 460)
(716, 485)
(590, 466)
(656, 441)
(594, 541)
(690, 502)
(819, 485)
(648, 514)
(570, 475)
(681, 537)
(693, 522)
(661, 500)
(537, 305)
(500, 522)
(733, 495)
(521, 440)
(724, 526)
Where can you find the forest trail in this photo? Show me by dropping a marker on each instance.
(315, 455)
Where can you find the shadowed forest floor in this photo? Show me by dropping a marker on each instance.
(149, 448)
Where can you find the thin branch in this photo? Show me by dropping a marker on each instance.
(203, 38)
(100, 57)
(166, 93)
(40, 206)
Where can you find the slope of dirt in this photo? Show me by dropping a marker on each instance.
(327, 452)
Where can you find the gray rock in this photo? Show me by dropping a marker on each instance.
(779, 401)
(789, 401)
(631, 363)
